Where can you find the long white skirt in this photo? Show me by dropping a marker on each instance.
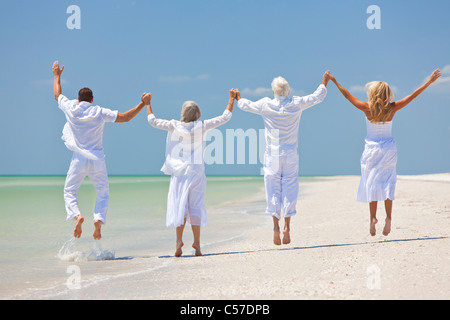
(378, 171)
(186, 200)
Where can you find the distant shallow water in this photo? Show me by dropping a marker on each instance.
(36, 243)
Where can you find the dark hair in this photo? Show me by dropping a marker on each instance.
(85, 94)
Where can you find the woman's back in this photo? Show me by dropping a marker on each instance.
(379, 131)
(185, 143)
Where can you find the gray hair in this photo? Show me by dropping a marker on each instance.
(280, 87)
(190, 112)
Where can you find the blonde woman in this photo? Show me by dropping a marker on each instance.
(184, 163)
(379, 159)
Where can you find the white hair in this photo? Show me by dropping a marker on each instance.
(280, 87)
(190, 112)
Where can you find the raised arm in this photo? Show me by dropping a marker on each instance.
(316, 97)
(233, 94)
(225, 117)
(361, 105)
(130, 114)
(152, 120)
(57, 79)
(397, 105)
(146, 98)
(249, 106)
(326, 77)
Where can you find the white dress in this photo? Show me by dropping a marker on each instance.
(378, 164)
(184, 163)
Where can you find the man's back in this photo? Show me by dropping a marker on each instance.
(83, 132)
(282, 117)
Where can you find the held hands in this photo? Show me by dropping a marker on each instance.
(234, 94)
(56, 70)
(326, 77)
(330, 76)
(238, 94)
(146, 98)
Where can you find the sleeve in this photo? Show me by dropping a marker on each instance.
(63, 102)
(308, 101)
(217, 121)
(159, 123)
(250, 106)
(109, 115)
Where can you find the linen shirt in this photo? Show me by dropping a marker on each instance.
(186, 142)
(83, 131)
(281, 117)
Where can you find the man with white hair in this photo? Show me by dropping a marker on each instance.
(281, 117)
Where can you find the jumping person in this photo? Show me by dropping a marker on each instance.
(184, 163)
(281, 117)
(379, 159)
(83, 134)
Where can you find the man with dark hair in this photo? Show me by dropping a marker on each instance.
(83, 134)
(85, 94)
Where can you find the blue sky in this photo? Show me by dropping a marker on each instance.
(198, 50)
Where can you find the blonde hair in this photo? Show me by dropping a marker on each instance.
(380, 97)
(190, 111)
(380, 101)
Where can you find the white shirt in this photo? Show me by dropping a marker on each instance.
(186, 142)
(83, 131)
(282, 117)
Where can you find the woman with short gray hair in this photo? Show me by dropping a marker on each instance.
(184, 163)
(190, 111)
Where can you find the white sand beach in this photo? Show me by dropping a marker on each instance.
(331, 256)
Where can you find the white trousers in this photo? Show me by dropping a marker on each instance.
(281, 183)
(80, 167)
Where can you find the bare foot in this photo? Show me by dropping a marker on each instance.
(178, 251)
(77, 230)
(97, 232)
(373, 230)
(387, 227)
(286, 237)
(196, 246)
(276, 237)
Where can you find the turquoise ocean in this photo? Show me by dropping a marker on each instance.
(37, 247)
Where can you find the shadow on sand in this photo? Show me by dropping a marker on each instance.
(313, 247)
